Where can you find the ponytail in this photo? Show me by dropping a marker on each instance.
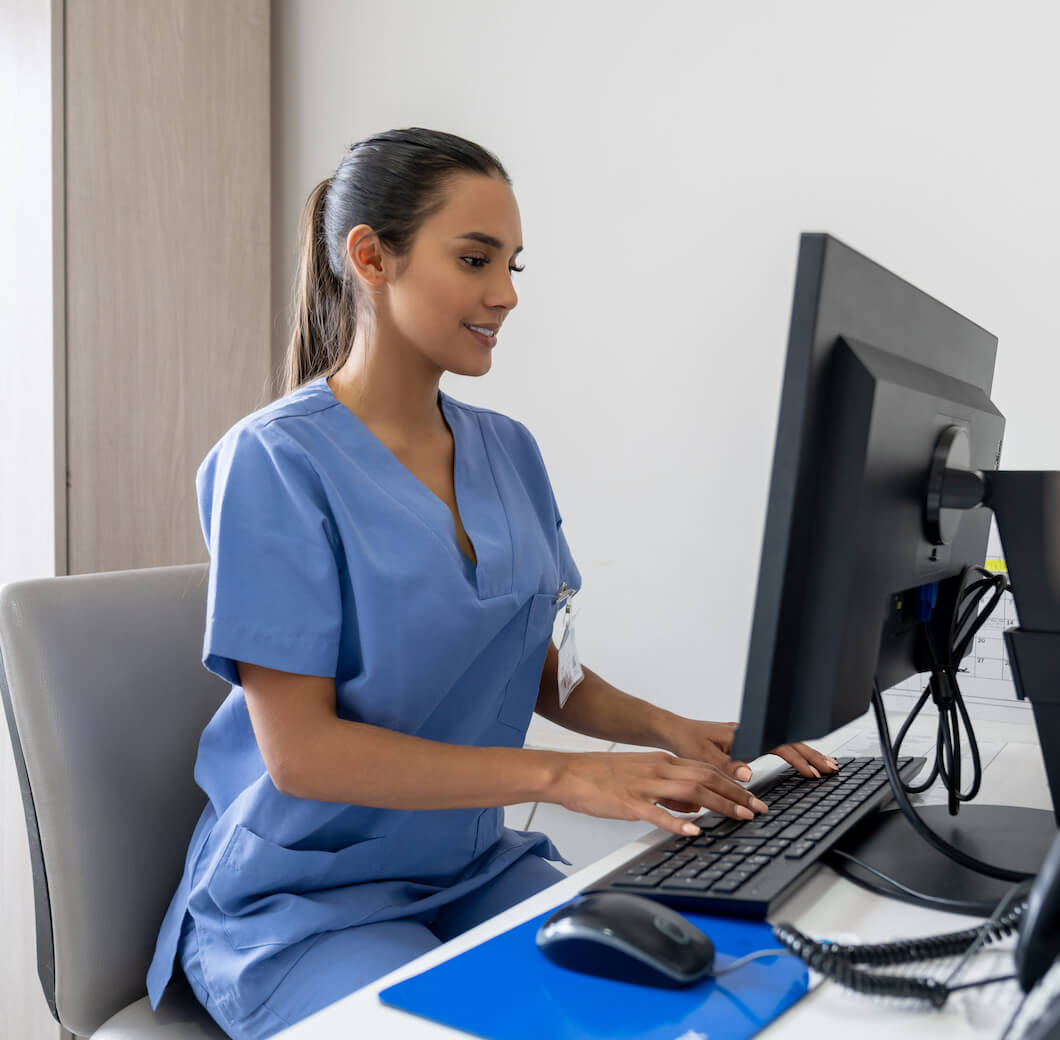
(324, 311)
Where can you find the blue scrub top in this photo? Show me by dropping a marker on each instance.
(329, 558)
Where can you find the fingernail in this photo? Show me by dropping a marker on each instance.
(743, 773)
(813, 769)
(744, 813)
(833, 763)
(689, 828)
(759, 806)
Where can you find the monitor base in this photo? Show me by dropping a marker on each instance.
(1004, 836)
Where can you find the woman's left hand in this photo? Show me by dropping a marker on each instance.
(711, 742)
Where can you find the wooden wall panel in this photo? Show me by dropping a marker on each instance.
(168, 265)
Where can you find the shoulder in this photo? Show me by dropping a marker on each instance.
(277, 435)
(287, 416)
(510, 433)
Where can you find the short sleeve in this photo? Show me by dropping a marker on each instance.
(274, 595)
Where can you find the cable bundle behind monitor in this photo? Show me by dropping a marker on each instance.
(968, 618)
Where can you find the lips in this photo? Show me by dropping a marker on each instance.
(485, 334)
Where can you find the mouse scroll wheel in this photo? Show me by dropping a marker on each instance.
(670, 929)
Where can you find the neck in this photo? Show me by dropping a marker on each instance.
(390, 389)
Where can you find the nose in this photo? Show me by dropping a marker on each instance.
(502, 292)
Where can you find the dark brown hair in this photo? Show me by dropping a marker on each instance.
(392, 182)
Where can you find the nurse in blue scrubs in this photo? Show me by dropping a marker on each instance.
(386, 567)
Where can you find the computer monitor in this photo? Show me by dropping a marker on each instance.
(876, 374)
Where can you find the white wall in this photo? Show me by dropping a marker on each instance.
(666, 158)
(32, 530)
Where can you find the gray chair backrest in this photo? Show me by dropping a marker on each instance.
(106, 699)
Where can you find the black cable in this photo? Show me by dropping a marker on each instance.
(967, 619)
(847, 964)
(975, 908)
(891, 767)
(823, 959)
(983, 982)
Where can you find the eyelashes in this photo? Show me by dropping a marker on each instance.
(477, 262)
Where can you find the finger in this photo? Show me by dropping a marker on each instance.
(659, 817)
(825, 763)
(685, 807)
(718, 755)
(739, 806)
(717, 780)
(739, 770)
(727, 735)
(793, 756)
(713, 755)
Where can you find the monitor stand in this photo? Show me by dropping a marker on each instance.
(1002, 835)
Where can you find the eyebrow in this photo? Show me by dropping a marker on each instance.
(488, 240)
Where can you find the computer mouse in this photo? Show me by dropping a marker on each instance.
(621, 936)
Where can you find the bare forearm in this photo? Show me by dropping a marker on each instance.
(366, 765)
(598, 709)
(311, 753)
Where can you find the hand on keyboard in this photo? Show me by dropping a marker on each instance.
(635, 786)
(710, 742)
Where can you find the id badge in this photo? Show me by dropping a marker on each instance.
(570, 672)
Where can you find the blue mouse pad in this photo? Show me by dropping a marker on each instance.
(506, 989)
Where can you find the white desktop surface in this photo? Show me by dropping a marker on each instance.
(825, 905)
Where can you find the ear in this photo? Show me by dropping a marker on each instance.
(366, 255)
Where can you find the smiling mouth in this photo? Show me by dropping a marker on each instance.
(483, 333)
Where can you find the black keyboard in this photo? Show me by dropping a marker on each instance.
(743, 868)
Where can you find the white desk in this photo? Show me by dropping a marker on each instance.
(826, 905)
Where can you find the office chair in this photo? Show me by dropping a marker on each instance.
(105, 699)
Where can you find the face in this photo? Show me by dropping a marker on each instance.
(447, 299)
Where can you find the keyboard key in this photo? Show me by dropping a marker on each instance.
(652, 860)
(675, 844)
(725, 886)
(686, 884)
(715, 823)
(774, 848)
(799, 849)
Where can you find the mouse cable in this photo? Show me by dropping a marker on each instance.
(747, 958)
(933, 839)
(835, 858)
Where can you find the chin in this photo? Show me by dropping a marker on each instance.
(479, 368)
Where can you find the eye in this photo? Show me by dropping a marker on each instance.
(475, 261)
(515, 268)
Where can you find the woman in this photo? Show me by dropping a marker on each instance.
(386, 567)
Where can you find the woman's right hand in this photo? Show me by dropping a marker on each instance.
(636, 786)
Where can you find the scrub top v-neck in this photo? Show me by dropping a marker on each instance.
(478, 498)
(330, 558)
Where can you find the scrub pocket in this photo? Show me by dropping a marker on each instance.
(520, 695)
(272, 895)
